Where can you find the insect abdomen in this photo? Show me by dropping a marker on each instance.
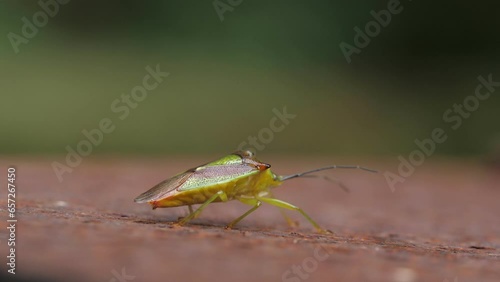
(193, 197)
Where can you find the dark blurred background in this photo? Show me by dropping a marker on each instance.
(226, 77)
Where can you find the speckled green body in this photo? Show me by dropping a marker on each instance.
(238, 175)
(254, 184)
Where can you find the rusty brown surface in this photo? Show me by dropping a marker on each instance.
(441, 224)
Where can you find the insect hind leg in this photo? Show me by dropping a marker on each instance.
(221, 194)
(190, 211)
(285, 205)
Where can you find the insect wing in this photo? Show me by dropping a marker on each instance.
(207, 176)
(160, 190)
(223, 170)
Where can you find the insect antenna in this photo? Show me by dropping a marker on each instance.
(300, 174)
(331, 179)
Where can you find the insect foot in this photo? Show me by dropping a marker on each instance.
(182, 221)
(326, 231)
(178, 223)
(292, 223)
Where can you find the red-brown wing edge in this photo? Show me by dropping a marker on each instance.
(161, 189)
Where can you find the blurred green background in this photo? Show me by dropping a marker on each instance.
(227, 76)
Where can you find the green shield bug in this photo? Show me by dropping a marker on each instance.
(239, 176)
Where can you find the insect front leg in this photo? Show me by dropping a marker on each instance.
(285, 205)
(249, 201)
(221, 194)
(290, 221)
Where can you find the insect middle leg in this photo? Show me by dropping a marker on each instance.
(249, 201)
(285, 205)
(221, 194)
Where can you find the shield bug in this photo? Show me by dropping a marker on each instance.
(239, 176)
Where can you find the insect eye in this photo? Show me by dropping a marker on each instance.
(263, 166)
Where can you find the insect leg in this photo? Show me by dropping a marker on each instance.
(190, 209)
(290, 222)
(221, 194)
(285, 205)
(249, 201)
